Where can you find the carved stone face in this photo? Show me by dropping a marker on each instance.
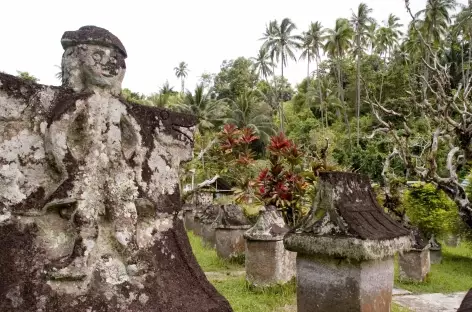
(93, 67)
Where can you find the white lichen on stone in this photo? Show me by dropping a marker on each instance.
(352, 248)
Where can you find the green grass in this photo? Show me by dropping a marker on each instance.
(452, 275)
(243, 298)
(207, 258)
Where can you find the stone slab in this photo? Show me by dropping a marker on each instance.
(400, 292)
(431, 302)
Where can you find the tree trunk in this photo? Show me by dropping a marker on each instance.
(307, 80)
(320, 91)
(281, 109)
(182, 81)
(468, 60)
(358, 90)
(341, 95)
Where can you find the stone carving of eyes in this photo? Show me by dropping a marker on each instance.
(97, 57)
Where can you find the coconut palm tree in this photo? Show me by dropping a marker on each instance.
(463, 30)
(433, 23)
(360, 22)
(388, 36)
(281, 43)
(248, 110)
(436, 18)
(371, 35)
(181, 72)
(312, 44)
(210, 112)
(167, 89)
(263, 63)
(338, 42)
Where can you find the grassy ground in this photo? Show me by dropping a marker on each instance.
(234, 288)
(452, 275)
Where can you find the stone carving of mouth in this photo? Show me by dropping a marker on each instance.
(109, 71)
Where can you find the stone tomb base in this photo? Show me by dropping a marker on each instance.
(208, 234)
(189, 222)
(269, 263)
(197, 224)
(340, 285)
(414, 265)
(230, 242)
(435, 255)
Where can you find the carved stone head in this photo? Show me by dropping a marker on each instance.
(94, 59)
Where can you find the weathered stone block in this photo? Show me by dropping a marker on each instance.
(188, 216)
(268, 263)
(230, 241)
(267, 260)
(340, 285)
(208, 225)
(345, 248)
(197, 223)
(435, 255)
(414, 265)
(435, 251)
(208, 234)
(231, 223)
(452, 240)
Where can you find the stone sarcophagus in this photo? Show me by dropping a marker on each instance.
(267, 261)
(345, 248)
(89, 193)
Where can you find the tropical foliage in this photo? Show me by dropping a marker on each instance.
(389, 98)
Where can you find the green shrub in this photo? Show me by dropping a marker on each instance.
(431, 210)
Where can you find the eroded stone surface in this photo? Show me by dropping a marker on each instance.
(89, 194)
(267, 261)
(346, 221)
(270, 226)
(414, 265)
(343, 285)
(432, 302)
(345, 247)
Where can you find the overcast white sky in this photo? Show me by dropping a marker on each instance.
(160, 34)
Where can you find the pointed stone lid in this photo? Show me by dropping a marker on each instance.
(346, 220)
(270, 226)
(209, 214)
(232, 217)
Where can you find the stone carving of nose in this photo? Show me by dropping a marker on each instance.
(105, 59)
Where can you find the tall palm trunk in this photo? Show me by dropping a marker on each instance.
(182, 81)
(470, 54)
(274, 89)
(280, 101)
(341, 97)
(358, 88)
(307, 79)
(320, 91)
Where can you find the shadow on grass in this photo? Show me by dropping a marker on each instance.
(208, 260)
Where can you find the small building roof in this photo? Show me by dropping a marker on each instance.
(219, 185)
